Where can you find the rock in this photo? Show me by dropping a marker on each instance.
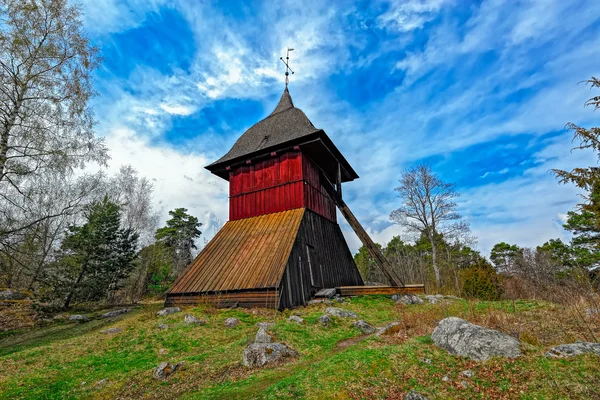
(102, 382)
(412, 395)
(165, 369)
(10, 294)
(445, 378)
(191, 320)
(426, 360)
(464, 384)
(338, 312)
(325, 320)
(262, 336)
(315, 301)
(296, 319)
(410, 299)
(162, 326)
(395, 297)
(168, 310)
(112, 330)
(467, 373)
(387, 329)
(574, 349)
(231, 322)
(265, 325)
(115, 313)
(78, 318)
(462, 338)
(162, 351)
(432, 299)
(260, 354)
(338, 299)
(364, 326)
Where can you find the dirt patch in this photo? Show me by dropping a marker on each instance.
(345, 343)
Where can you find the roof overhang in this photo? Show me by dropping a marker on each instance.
(318, 146)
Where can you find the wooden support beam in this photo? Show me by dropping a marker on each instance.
(364, 237)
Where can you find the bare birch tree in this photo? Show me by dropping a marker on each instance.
(428, 208)
(46, 124)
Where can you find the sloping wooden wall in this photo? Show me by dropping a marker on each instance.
(319, 259)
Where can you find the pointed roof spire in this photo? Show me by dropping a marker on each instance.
(285, 102)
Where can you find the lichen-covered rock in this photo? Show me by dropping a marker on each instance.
(296, 319)
(463, 338)
(165, 369)
(168, 310)
(574, 349)
(262, 336)
(162, 326)
(265, 325)
(338, 312)
(260, 354)
(412, 395)
(434, 299)
(115, 313)
(10, 294)
(410, 299)
(325, 320)
(191, 320)
(111, 331)
(231, 322)
(388, 329)
(78, 318)
(364, 326)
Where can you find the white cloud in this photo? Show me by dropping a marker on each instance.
(179, 177)
(405, 16)
(177, 109)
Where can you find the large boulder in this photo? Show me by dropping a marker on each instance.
(191, 320)
(260, 354)
(78, 318)
(338, 312)
(10, 294)
(410, 299)
(168, 310)
(364, 326)
(296, 319)
(574, 349)
(463, 338)
(115, 313)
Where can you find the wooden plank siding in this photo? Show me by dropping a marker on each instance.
(387, 290)
(280, 183)
(319, 259)
(242, 298)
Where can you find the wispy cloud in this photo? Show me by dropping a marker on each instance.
(482, 91)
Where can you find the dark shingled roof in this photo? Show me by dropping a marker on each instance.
(286, 123)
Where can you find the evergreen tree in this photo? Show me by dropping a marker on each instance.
(99, 254)
(504, 255)
(179, 236)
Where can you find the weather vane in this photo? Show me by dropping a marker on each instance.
(287, 66)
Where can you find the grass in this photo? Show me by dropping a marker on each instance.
(67, 360)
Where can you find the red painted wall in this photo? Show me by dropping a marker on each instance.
(280, 183)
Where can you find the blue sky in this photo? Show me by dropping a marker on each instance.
(481, 90)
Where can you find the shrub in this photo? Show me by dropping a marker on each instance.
(481, 283)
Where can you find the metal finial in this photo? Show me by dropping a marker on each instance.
(287, 66)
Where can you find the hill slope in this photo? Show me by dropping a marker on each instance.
(69, 360)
